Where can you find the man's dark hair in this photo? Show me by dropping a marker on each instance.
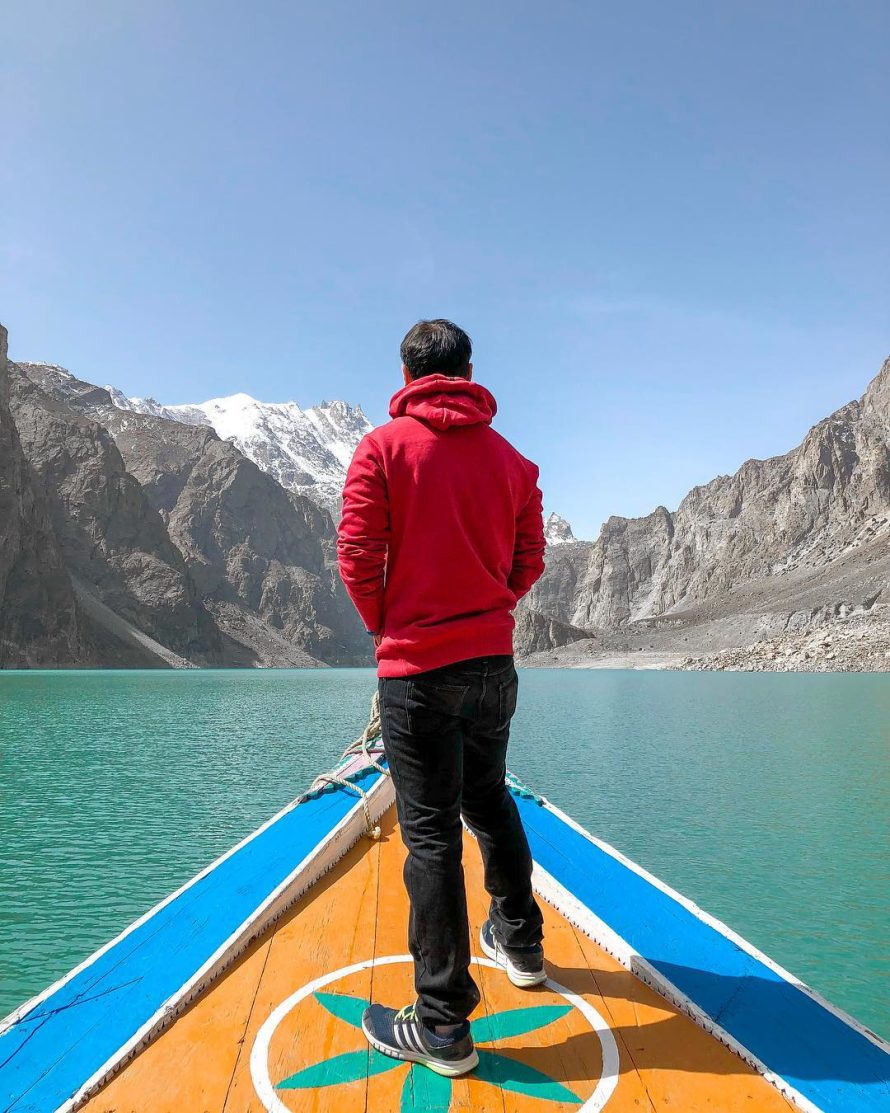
(436, 348)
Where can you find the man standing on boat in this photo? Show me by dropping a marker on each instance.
(441, 534)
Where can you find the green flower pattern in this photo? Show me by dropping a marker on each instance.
(424, 1089)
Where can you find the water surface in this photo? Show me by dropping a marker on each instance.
(763, 797)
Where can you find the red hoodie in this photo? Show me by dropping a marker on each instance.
(442, 530)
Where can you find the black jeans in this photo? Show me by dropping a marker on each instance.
(445, 734)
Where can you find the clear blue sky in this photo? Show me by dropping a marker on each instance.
(665, 226)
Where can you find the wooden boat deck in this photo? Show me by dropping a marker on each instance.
(244, 990)
(235, 1046)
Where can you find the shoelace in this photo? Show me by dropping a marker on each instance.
(406, 1013)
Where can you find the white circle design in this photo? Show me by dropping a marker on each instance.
(259, 1055)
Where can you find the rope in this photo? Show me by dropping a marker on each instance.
(372, 731)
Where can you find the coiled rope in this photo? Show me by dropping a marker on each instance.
(372, 731)
(520, 788)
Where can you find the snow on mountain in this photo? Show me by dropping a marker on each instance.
(307, 451)
(188, 415)
(557, 530)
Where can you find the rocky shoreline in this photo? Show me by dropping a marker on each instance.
(857, 641)
(852, 643)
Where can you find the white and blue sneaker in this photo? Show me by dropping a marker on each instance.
(402, 1036)
(524, 965)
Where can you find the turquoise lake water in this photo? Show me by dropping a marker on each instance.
(763, 797)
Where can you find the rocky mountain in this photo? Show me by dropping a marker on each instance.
(137, 533)
(557, 530)
(174, 546)
(780, 545)
(40, 622)
(306, 451)
(113, 540)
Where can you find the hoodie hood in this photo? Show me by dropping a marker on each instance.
(443, 401)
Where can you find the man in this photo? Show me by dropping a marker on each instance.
(441, 534)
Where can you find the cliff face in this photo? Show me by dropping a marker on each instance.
(179, 533)
(251, 546)
(821, 511)
(39, 620)
(112, 540)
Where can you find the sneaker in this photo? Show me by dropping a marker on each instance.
(524, 965)
(402, 1036)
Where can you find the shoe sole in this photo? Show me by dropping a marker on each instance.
(520, 978)
(449, 1070)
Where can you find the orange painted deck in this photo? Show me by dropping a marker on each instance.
(358, 913)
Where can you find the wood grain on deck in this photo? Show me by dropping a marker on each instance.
(358, 912)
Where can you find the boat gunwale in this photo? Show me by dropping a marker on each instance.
(378, 797)
(594, 927)
(723, 929)
(27, 1006)
(575, 910)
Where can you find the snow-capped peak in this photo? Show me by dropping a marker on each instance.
(307, 451)
(557, 530)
